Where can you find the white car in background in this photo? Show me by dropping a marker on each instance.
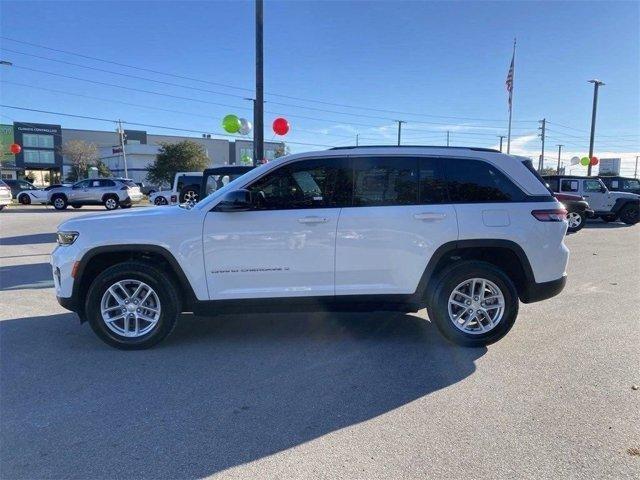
(27, 197)
(5, 195)
(186, 188)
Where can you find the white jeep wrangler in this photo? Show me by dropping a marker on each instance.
(463, 232)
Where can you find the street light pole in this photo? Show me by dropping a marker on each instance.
(596, 86)
(559, 151)
(501, 137)
(258, 104)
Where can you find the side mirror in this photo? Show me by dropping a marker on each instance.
(235, 201)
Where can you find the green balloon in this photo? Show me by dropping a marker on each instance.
(231, 124)
(584, 161)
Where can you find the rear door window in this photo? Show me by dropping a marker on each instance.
(384, 181)
(107, 183)
(569, 185)
(433, 184)
(476, 181)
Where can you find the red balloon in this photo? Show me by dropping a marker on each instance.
(281, 126)
(593, 161)
(15, 148)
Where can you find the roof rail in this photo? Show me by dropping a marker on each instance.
(477, 149)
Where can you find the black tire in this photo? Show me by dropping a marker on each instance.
(24, 199)
(608, 218)
(449, 279)
(158, 280)
(191, 191)
(59, 202)
(630, 214)
(2, 207)
(160, 201)
(579, 226)
(76, 206)
(111, 202)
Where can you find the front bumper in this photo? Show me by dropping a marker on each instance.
(536, 292)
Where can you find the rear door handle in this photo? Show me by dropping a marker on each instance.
(429, 216)
(313, 219)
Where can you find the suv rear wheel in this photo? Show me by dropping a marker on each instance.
(132, 305)
(474, 304)
(25, 199)
(189, 194)
(630, 214)
(111, 202)
(59, 202)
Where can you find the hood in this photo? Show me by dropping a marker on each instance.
(135, 217)
(629, 196)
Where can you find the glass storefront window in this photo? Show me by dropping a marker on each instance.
(39, 156)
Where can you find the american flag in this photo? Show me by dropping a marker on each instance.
(509, 81)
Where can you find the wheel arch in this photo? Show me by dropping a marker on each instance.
(97, 259)
(110, 195)
(504, 254)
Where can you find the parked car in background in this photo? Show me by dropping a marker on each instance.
(5, 195)
(621, 184)
(18, 186)
(607, 205)
(110, 192)
(466, 233)
(577, 210)
(40, 195)
(147, 189)
(186, 188)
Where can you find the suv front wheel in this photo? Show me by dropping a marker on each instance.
(474, 304)
(132, 305)
(59, 202)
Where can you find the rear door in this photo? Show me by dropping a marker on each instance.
(286, 246)
(398, 217)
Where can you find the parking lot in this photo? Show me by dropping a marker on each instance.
(323, 395)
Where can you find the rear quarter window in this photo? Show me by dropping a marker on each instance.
(476, 181)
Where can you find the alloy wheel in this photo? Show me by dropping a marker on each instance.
(574, 219)
(476, 306)
(111, 204)
(130, 308)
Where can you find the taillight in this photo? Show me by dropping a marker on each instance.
(556, 215)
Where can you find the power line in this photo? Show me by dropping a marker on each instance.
(165, 127)
(380, 110)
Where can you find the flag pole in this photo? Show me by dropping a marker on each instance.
(513, 72)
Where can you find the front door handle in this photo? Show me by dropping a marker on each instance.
(429, 216)
(313, 219)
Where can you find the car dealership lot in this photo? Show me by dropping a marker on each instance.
(323, 395)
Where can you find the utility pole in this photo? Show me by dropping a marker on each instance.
(501, 137)
(447, 138)
(636, 172)
(542, 128)
(596, 86)
(258, 104)
(400, 122)
(357, 135)
(559, 151)
(124, 154)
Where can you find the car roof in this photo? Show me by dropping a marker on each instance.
(576, 177)
(409, 147)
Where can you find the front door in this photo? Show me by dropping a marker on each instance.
(285, 247)
(599, 200)
(398, 218)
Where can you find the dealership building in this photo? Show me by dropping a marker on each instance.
(41, 154)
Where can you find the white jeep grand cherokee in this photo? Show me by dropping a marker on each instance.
(462, 232)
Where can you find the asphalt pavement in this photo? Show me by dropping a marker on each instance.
(304, 395)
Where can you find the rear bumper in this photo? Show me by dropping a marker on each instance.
(536, 292)
(5, 200)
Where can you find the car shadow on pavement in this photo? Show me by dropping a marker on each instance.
(218, 393)
(26, 276)
(33, 239)
(601, 224)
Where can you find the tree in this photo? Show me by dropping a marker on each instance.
(185, 156)
(83, 155)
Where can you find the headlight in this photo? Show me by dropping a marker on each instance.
(67, 238)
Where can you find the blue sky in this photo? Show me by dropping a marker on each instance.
(428, 60)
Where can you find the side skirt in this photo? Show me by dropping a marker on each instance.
(342, 303)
